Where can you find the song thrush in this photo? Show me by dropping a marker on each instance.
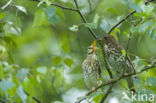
(91, 67)
(117, 60)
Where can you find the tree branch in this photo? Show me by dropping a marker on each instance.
(2, 101)
(84, 20)
(60, 6)
(122, 77)
(108, 67)
(147, 2)
(121, 21)
(108, 92)
(34, 98)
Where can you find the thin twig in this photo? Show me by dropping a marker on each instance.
(148, 1)
(60, 6)
(131, 13)
(34, 98)
(108, 67)
(107, 93)
(122, 77)
(90, 5)
(121, 21)
(2, 101)
(67, 8)
(84, 20)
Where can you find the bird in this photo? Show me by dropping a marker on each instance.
(91, 68)
(117, 60)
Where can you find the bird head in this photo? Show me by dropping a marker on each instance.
(92, 49)
(109, 39)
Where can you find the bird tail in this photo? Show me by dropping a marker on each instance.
(131, 84)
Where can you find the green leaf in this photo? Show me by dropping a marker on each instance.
(95, 94)
(68, 62)
(21, 8)
(21, 94)
(94, 24)
(74, 28)
(56, 60)
(42, 69)
(40, 18)
(2, 49)
(10, 29)
(22, 74)
(2, 16)
(81, 98)
(50, 11)
(145, 26)
(51, 15)
(97, 98)
(53, 20)
(6, 5)
(91, 25)
(112, 10)
(105, 26)
(151, 81)
(6, 84)
(66, 47)
(1, 72)
(96, 18)
(136, 7)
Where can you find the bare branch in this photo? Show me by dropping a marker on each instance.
(60, 6)
(67, 8)
(34, 98)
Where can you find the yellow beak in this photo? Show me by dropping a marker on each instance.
(94, 46)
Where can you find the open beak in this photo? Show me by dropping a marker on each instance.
(94, 46)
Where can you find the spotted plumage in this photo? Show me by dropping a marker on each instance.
(91, 67)
(117, 60)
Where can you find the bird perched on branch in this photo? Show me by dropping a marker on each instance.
(117, 60)
(91, 67)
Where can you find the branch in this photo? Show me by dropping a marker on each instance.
(2, 101)
(90, 5)
(106, 95)
(108, 67)
(121, 21)
(34, 98)
(67, 8)
(60, 6)
(147, 2)
(122, 77)
(84, 20)
(75, 10)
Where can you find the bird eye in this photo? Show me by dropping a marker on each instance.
(105, 37)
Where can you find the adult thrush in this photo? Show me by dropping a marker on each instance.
(91, 67)
(117, 60)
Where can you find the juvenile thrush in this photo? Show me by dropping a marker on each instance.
(117, 61)
(91, 67)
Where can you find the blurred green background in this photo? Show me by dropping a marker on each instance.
(41, 56)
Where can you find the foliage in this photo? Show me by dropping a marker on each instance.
(43, 43)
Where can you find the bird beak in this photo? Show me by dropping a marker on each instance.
(94, 46)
